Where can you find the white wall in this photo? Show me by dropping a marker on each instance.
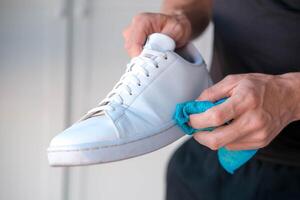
(50, 76)
(31, 97)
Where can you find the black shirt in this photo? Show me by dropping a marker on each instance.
(260, 36)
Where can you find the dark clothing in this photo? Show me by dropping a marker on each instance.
(194, 173)
(261, 36)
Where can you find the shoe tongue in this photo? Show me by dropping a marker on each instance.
(160, 42)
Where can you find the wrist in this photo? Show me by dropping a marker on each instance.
(292, 85)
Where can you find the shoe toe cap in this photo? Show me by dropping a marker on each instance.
(95, 129)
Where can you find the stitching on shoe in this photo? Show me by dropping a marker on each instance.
(108, 146)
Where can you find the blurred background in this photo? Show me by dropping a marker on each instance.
(58, 59)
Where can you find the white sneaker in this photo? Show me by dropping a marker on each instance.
(136, 116)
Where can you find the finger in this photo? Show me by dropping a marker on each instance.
(126, 35)
(249, 141)
(134, 50)
(249, 138)
(218, 115)
(221, 89)
(136, 42)
(243, 146)
(221, 136)
(137, 34)
(126, 32)
(175, 29)
(179, 28)
(252, 140)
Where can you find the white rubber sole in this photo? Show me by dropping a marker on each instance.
(104, 154)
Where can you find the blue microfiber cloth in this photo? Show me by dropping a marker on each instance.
(230, 160)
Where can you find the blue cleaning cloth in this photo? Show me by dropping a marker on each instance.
(230, 160)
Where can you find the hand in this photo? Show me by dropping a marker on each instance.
(260, 106)
(177, 27)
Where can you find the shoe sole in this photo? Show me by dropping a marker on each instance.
(104, 154)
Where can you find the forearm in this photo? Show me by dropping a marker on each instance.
(197, 11)
(293, 81)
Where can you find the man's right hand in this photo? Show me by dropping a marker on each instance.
(177, 27)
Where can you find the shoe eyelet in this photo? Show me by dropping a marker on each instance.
(147, 75)
(157, 66)
(166, 57)
(139, 84)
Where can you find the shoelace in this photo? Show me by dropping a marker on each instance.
(135, 68)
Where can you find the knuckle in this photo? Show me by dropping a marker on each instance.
(160, 18)
(197, 137)
(216, 117)
(267, 118)
(231, 77)
(139, 17)
(178, 28)
(206, 93)
(194, 122)
(258, 123)
(252, 97)
(262, 136)
(125, 32)
(172, 20)
(213, 144)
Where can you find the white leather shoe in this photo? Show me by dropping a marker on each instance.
(136, 116)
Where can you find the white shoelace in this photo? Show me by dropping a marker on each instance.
(141, 65)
